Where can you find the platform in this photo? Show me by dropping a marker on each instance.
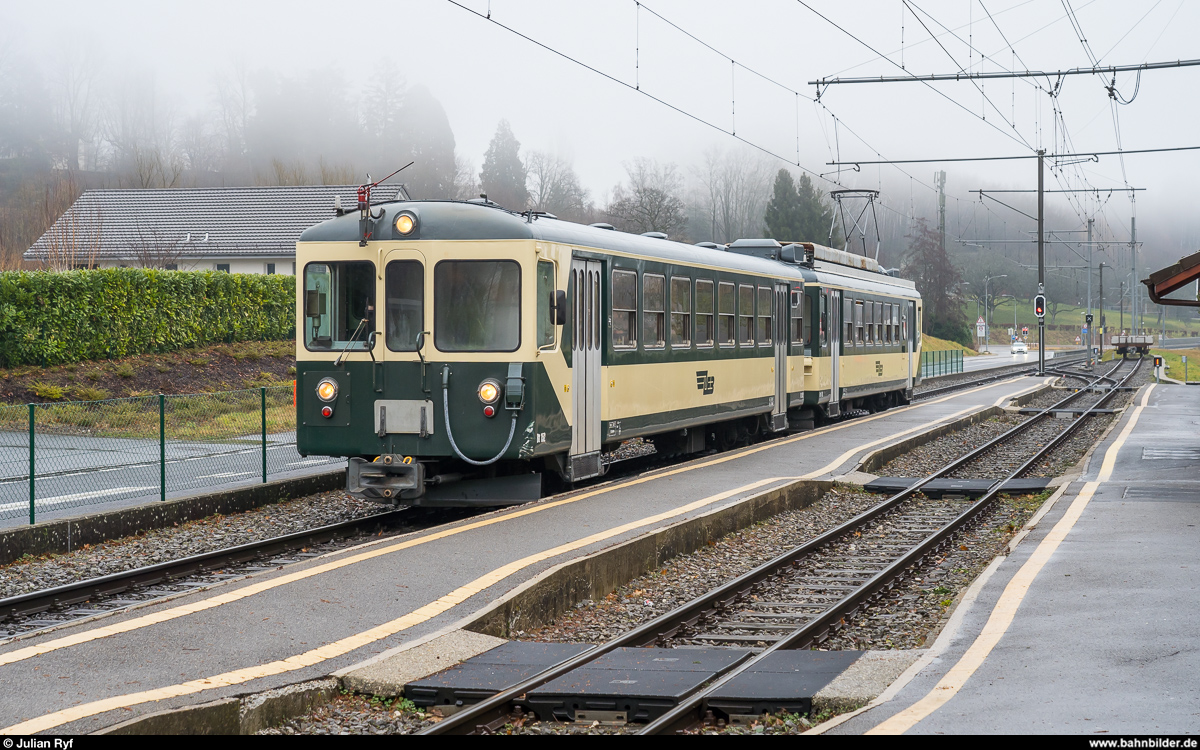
(312, 618)
(1090, 626)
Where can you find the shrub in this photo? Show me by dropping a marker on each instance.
(91, 394)
(162, 367)
(94, 375)
(46, 390)
(54, 318)
(125, 370)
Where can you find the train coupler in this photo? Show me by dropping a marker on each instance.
(388, 478)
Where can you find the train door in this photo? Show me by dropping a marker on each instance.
(783, 315)
(834, 407)
(585, 369)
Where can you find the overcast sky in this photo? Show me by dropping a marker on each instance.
(482, 72)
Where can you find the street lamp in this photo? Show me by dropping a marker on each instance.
(1014, 299)
(987, 326)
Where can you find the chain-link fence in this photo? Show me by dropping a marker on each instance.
(63, 455)
(945, 362)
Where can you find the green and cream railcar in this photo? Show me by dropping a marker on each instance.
(456, 353)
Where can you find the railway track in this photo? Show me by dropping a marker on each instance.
(1005, 372)
(800, 598)
(38, 610)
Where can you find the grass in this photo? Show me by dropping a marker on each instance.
(208, 417)
(1173, 359)
(932, 344)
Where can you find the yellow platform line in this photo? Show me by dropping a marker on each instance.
(229, 597)
(1010, 600)
(358, 640)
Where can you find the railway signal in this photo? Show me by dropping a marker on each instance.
(1039, 305)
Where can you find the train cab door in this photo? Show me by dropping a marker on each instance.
(783, 314)
(834, 407)
(584, 461)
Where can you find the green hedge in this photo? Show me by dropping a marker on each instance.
(52, 318)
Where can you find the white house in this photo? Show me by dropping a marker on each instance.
(232, 229)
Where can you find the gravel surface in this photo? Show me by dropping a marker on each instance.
(357, 714)
(913, 610)
(162, 545)
(689, 576)
(926, 459)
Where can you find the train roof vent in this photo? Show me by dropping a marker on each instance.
(709, 245)
(759, 248)
(602, 225)
(655, 235)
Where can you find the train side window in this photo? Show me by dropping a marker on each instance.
(624, 303)
(727, 307)
(868, 338)
(681, 312)
(797, 326)
(904, 323)
(848, 321)
(887, 322)
(404, 287)
(878, 320)
(704, 312)
(823, 322)
(896, 324)
(858, 323)
(765, 311)
(545, 304)
(654, 292)
(746, 315)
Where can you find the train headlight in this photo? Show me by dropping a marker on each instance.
(406, 223)
(327, 389)
(489, 391)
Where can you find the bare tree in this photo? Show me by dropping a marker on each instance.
(152, 249)
(554, 186)
(733, 191)
(650, 202)
(73, 237)
(466, 179)
(236, 108)
(336, 174)
(76, 102)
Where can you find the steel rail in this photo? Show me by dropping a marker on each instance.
(493, 712)
(684, 715)
(116, 583)
(1008, 373)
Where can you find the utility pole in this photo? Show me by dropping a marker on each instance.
(940, 179)
(1102, 328)
(1121, 300)
(1091, 360)
(1133, 301)
(1041, 242)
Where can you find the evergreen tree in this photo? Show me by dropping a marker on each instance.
(504, 176)
(430, 140)
(939, 282)
(797, 212)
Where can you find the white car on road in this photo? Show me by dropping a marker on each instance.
(1019, 347)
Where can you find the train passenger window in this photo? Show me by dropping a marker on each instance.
(477, 305)
(887, 322)
(822, 332)
(727, 307)
(624, 304)
(681, 312)
(896, 324)
(858, 323)
(746, 314)
(878, 321)
(654, 293)
(848, 321)
(704, 312)
(545, 304)
(867, 319)
(404, 289)
(904, 323)
(797, 325)
(338, 296)
(765, 296)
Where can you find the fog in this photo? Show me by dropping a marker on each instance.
(255, 92)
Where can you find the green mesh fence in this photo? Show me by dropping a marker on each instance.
(65, 455)
(937, 363)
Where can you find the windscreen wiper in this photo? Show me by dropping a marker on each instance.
(362, 324)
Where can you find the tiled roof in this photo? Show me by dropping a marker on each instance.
(200, 222)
